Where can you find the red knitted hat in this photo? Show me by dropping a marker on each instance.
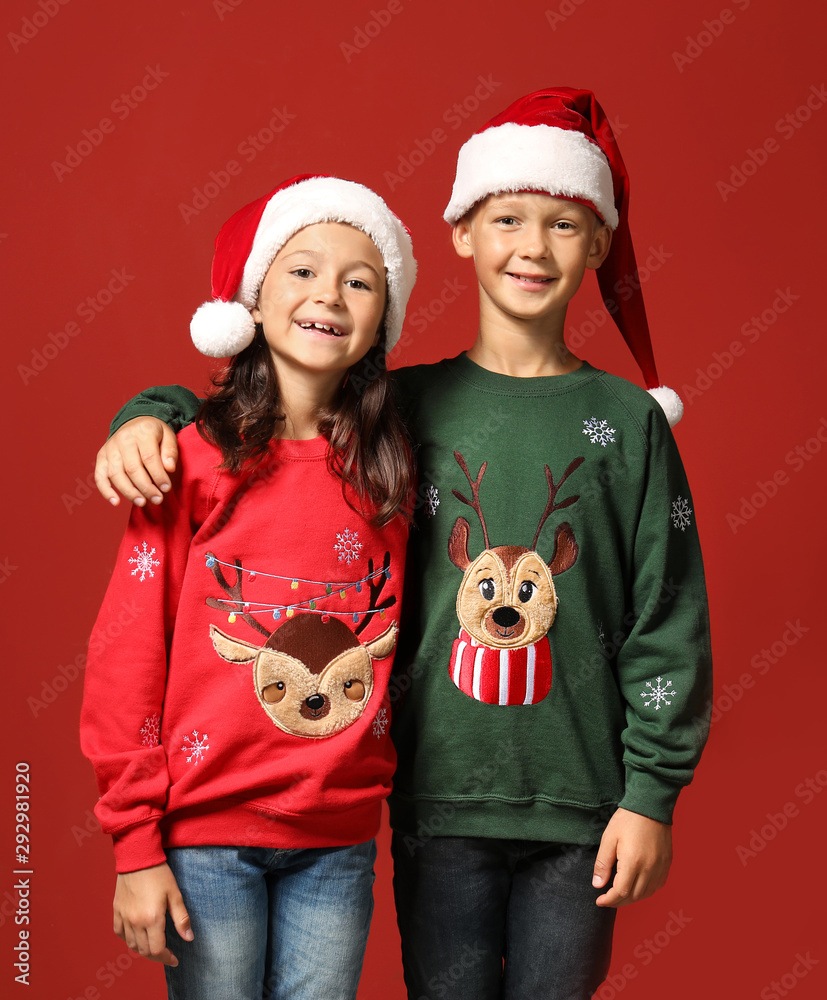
(560, 142)
(248, 243)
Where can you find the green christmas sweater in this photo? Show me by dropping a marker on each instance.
(554, 659)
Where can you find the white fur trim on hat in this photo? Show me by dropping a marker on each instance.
(222, 329)
(330, 199)
(671, 403)
(514, 157)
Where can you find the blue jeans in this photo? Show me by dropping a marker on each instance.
(488, 919)
(285, 924)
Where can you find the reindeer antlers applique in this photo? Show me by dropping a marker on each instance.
(507, 602)
(313, 677)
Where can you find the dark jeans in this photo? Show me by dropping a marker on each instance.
(487, 919)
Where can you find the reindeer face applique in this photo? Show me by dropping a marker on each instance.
(312, 676)
(506, 604)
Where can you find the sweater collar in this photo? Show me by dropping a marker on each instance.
(543, 385)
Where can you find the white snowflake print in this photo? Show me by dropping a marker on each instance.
(680, 514)
(195, 747)
(658, 693)
(143, 561)
(599, 431)
(432, 499)
(380, 723)
(151, 731)
(348, 546)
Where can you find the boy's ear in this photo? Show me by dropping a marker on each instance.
(461, 236)
(601, 242)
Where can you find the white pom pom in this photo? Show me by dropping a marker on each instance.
(670, 402)
(222, 329)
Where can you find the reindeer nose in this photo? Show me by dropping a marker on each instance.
(314, 702)
(506, 617)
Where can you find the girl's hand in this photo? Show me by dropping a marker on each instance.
(142, 899)
(642, 849)
(135, 462)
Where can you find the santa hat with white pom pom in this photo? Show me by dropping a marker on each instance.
(559, 141)
(248, 243)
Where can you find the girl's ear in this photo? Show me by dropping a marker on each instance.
(462, 238)
(255, 312)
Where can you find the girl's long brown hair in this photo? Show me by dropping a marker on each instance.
(369, 448)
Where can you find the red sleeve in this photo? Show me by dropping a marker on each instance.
(126, 674)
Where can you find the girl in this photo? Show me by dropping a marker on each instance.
(238, 724)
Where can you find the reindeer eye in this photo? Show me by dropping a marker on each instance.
(354, 690)
(273, 693)
(487, 589)
(526, 591)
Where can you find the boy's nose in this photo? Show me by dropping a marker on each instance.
(534, 244)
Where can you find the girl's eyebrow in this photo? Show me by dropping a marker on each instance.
(319, 256)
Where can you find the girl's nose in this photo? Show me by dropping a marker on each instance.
(328, 293)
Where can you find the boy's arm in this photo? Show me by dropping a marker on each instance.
(139, 455)
(665, 674)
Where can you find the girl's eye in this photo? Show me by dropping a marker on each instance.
(507, 220)
(358, 283)
(302, 272)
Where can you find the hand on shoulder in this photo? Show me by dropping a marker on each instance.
(136, 462)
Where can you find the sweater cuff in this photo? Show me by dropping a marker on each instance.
(163, 411)
(139, 847)
(649, 795)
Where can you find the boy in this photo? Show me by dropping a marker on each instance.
(554, 668)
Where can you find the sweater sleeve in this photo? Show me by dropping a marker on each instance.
(664, 666)
(173, 404)
(126, 677)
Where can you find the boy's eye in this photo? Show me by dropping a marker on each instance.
(508, 220)
(358, 283)
(563, 225)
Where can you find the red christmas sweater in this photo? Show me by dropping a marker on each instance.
(246, 703)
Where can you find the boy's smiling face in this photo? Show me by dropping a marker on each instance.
(530, 252)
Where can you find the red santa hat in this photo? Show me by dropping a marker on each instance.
(560, 142)
(248, 243)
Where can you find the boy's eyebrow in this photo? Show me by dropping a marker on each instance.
(318, 256)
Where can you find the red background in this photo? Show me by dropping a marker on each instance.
(690, 101)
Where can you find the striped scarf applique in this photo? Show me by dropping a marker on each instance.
(520, 676)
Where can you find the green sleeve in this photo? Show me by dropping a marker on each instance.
(664, 666)
(173, 404)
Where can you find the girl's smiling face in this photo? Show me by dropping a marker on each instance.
(322, 300)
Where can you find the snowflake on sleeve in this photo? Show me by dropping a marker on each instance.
(432, 499)
(659, 693)
(151, 731)
(598, 431)
(680, 514)
(143, 561)
(380, 723)
(195, 747)
(348, 546)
